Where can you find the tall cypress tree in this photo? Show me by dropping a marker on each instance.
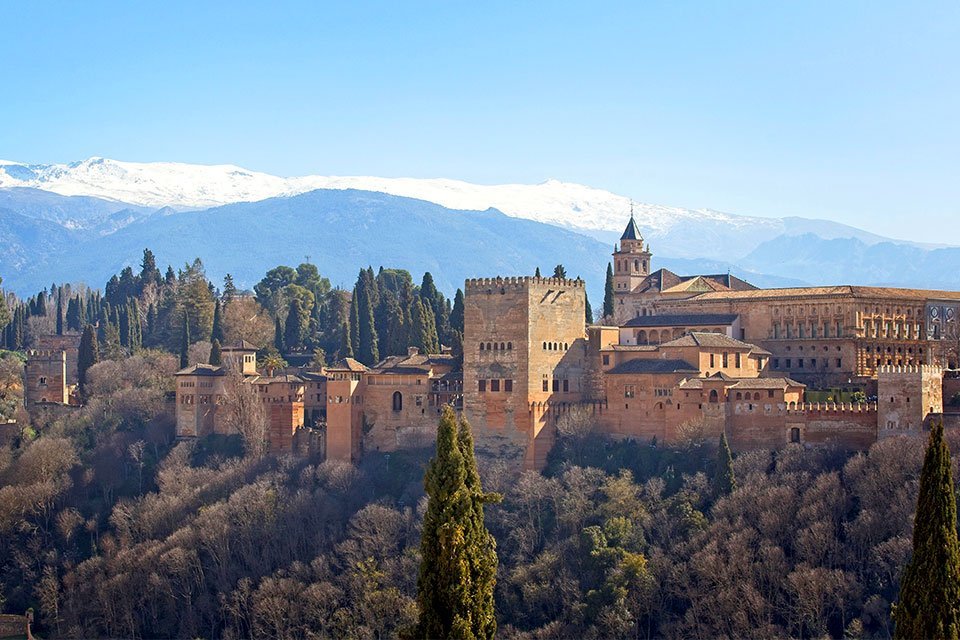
(185, 343)
(295, 327)
(587, 309)
(929, 604)
(608, 293)
(60, 314)
(88, 354)
(346, 349)
(217, 332)
(456, 315)
(354, 325)
(278, 336)
(724, 482)
(459, 561)
(369, 349)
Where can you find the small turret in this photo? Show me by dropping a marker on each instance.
(631, 261)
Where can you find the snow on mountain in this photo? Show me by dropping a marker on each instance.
(181, 185)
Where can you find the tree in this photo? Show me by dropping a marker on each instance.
(724, 482)
(60, 315)
(559, 272)
(216, 333)
(88, 355)
(215, 357)
(272, 362)
(456, 316)
(536, 274)
(246, 414)
(587, 309)
(229, 289)
(4, 311)
(278, 335)
(185, 343)
(608, 293)
(245, 319)
(929, 602)
(296, 326)
(423, 330)
(459, 561)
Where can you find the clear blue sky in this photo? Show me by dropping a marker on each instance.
(843, 110)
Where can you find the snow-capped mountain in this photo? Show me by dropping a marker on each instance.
(159, 184)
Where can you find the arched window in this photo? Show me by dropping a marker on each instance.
(502, 347)
(544, 346)
(509, 346)
(481, 346)
(488, 347)
(565, 347)
(397, 401)
(713, 396)
(739, 396)
(494, 346)
(636, 265)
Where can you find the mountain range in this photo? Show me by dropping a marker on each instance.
(84, 220)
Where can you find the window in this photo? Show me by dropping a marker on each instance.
(800, 362)
(606, 359)
(795, 434)
(712, 364)
(776, 363)
(737, 360)
(483, 386)
(839, 363)
(566, 385)
(714, 396)
(418, 400)
(495, 385)
(556, 384)
(508, 385)
(769, 393)
(629, 391)
(789, 363)
(509, 346)
(43, 380)
(725, 362)
(546, 385)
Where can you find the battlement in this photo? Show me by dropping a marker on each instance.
(829, 408)
(910, 369)
(47, 354)
(519, 283)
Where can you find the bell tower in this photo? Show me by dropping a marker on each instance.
(631, 260)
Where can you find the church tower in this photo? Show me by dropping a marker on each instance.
(631, 261)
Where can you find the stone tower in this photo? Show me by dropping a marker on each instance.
(631, 260)
(906, 397)
(523, 361)
(45, 376)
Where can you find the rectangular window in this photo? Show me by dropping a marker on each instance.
(839, 363)
(483, 386)
(776, 363)
(712, 364)
(606, 360)
(813, 363)
(556, 385)
(800, 362)
(495, 385)
(546, 385)
(769, 393)
(629, 391)
(737, 360)
(566, 386)
(789, 363)
(725, 362)
(508, 385)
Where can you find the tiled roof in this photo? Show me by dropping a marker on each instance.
(766, 383)
(705, 339)
(283, 377)
(349, 364)
(239, 345)
(833, 291)
(208, 370)
(401, 370)
(631, 232)
(685, 319)
(652, 366)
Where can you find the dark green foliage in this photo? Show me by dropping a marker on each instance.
(366, 298)
(217, 332)
(456, 316)
(929, 602)
(559, 272)
(215, 356)
(436, 302)
(423, 331)
(74, 315)
(185, 343)
(88, 355)
(229, 289)
(4, 311)
(724, 481)
(458, 555)
(536, 274)
(295, 327)
(59, 315)
(346, 349)
(608, 293)
(278, 336)
(588, 310)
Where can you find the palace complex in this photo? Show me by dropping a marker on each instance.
(682, 357)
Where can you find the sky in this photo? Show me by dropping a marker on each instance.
(848, 111)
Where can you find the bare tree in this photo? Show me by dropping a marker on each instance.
(245, 413)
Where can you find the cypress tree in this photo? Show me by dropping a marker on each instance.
(456, 315)
(459, 560)
(536, 274)
(185, 343)
(929, 603)
(354, 325)
(278, 335)
(346, 349)
(88, 354)
(217, 332)
(724, 482)
(369, 349)
(587, 309)
(60, 315)
(608, 293)
(295, 327)
(215, 357)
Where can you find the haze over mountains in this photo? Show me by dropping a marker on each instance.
(85, 220)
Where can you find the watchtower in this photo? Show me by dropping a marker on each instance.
(631, 260)
(523, 353)
(906, 397)
(45, 377)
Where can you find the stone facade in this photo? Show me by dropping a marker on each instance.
(45, 378)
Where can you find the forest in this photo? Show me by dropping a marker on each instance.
(109, 528)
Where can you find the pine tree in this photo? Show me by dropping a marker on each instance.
(608, 293)
(929, 603)
(215, 357)
(459, 561)
(217, 332)
(88, 354)
(587, 309)
(724, 482)
(229, 289)
(185, 343)
(559, 272)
